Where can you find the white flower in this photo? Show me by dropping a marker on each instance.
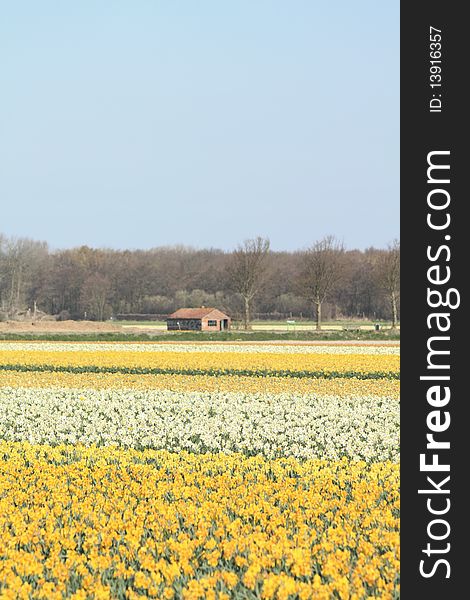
(308, 426)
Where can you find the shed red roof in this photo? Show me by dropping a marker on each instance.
(197, 313)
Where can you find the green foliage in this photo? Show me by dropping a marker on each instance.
(202, 336)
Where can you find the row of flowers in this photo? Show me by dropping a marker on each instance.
(219, 348)
(265, 364)
(210, 371)
(82, 522)
(191, 383)
(287, 424)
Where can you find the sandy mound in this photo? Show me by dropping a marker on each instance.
(57, 327)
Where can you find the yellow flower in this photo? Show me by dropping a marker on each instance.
(141, 580)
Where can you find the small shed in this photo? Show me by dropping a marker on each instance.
(198, 319)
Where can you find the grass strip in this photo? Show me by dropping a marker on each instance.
(249, 336)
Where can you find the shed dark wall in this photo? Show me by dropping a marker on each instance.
(184, 324)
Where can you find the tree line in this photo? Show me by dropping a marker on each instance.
(323, 281)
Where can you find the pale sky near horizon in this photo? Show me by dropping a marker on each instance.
(150, 123)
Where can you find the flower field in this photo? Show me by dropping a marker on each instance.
(193, 361)
(193, 471)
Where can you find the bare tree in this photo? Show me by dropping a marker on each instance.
(246, 270)
(20, 260)
(389, 277)
(320, 272)
(95, 294)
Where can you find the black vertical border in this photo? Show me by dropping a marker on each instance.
(422, 132)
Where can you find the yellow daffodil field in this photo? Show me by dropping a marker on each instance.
(199, 470)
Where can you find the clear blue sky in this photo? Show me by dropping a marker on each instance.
(149, 123)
